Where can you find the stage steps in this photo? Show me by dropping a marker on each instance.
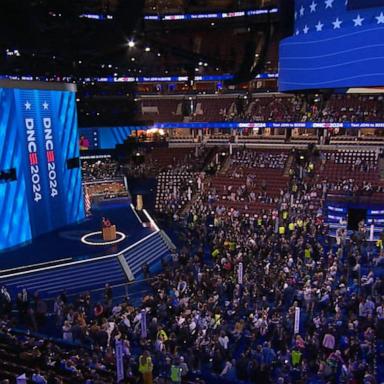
(86, 275)
(73, 277)
(154, 249)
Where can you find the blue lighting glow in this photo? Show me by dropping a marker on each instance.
(38, 134)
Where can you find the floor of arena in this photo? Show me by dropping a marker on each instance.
(66, 245)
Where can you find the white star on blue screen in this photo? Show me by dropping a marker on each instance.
(358, 21)
(313, 6)
(380, 18)
(329, 3)
(302, 9)
(306, 29)
(319, 26)
(337, 23)
(27, 106)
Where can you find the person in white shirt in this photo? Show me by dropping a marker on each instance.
(38, 379)
(223, 341)
(67, 331)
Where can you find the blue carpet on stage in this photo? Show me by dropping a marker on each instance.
(65, 242)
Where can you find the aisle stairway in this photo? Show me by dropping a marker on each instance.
(288, 166)
(381, 168)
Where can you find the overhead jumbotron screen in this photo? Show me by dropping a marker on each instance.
(336, 44)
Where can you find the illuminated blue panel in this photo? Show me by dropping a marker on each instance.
(215, 15)
(15, 223)
(139, 79)
(38, 134)
(333, 47)
(376, 212)
(64, 105)
(110, 137)
(336, 209)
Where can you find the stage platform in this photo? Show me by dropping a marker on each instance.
(65, 245)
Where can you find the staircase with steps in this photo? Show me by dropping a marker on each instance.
(154, 248)
(89, 274)
(288, 166)
(72, 277)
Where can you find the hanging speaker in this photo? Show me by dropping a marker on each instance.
(73, 163)
(8, 175)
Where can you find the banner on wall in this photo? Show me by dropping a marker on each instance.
(39, 134)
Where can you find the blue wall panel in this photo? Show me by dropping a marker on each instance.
(107, 137)
(15, 224)
(110, 137)
(38, 134)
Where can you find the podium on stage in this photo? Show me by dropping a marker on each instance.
(109, 233)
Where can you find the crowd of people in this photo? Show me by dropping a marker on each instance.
(254, 159)
(263, 298)
(338, 108)
(103, 169)
(175, 188)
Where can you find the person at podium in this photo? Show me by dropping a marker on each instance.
(109, 230)
(106, 222)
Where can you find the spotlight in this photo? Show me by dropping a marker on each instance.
(131, 44)
(147, 49)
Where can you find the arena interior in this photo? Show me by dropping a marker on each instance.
(192, 191)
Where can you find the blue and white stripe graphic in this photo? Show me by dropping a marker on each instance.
(333, 46)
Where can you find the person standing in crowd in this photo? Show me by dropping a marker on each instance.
(176, 372)
(146, 367)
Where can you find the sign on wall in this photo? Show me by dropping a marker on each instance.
(38, 135)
